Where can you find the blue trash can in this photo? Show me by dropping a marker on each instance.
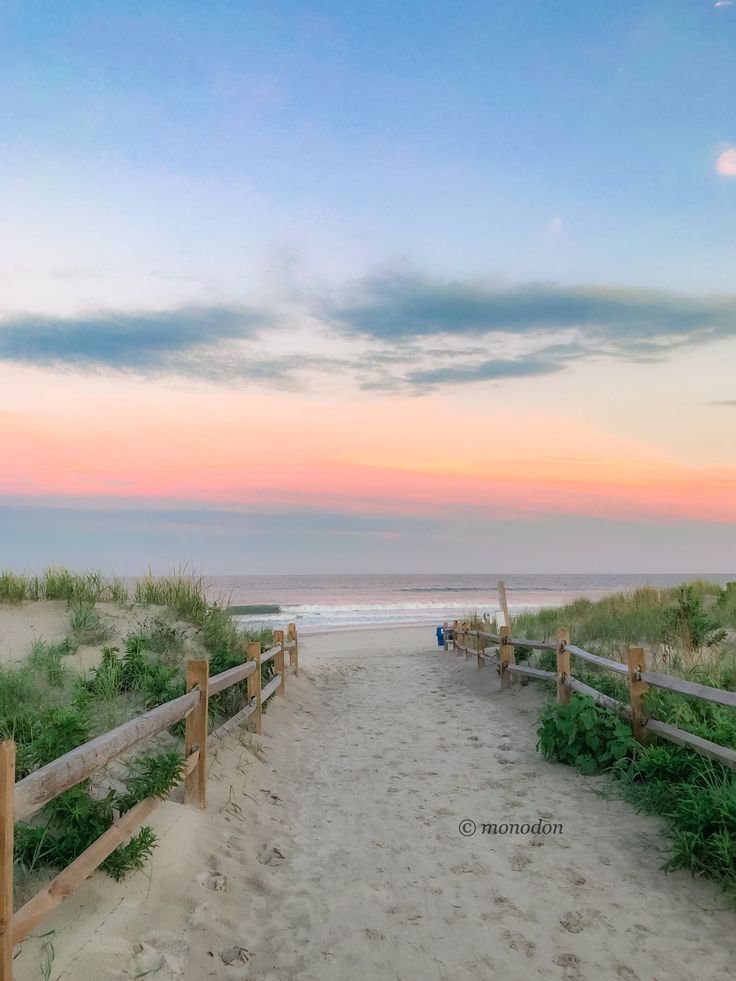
(440, 637)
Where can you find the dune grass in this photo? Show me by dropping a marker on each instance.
(680, 620)
(60, 583)
(689, 631)
(48, 709)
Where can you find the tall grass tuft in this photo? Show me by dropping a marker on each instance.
(87, 626)
(680, 624)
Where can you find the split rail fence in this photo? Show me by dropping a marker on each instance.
(469, 641)
(21, 800)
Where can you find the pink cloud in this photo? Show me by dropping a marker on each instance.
(726, 163)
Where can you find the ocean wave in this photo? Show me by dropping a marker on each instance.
(365, 607)
(444, 589)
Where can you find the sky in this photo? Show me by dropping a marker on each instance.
(335, 287)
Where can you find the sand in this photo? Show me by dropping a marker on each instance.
(331, 849)
(21, 624)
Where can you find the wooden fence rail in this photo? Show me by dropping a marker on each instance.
(21, 800)
(466, 640)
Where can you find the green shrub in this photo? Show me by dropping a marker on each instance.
(75, 819)
(690, 625)
(584, 735)
(132, 856)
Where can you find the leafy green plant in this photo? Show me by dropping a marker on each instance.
(56, 731)
(75, 819)
(689, 624)
(522, 654)
(132, 856)
(152, 775)
(584, 735)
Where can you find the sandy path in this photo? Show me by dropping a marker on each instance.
(401, 747)
(385, 745)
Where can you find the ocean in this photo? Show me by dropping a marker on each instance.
(318, 603)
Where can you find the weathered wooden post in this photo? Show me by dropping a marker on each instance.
(454, 634)
(503, 603)
(458, 648)
(636, 661)
(294, 650)
(278, 638)
(478, 649)
(7, 793)
(254, 686)
(563, 666)
(501, 587)
(444, 634)
(195, 784)
(507, 656)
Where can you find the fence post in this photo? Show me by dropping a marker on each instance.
(254, 686)
(7, 793)
(458, 647)
(480, 660)
(507, 656)
(563, 666)
(294, 652)
(444, 634)
(278, 637)
(454, 635)
(502, 601)
(636, 660)
(195, 785)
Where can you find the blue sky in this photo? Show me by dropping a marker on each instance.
(567, 140)
(506, 228)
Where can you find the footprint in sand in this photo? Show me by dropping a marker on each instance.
(163, 953)
(626, 973)
(519, 861)
(235, 955)
(570, 965)
(216, 881)
(576, 922)
(519, 943)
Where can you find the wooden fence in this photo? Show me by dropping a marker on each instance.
(468, 641)
(23, 799)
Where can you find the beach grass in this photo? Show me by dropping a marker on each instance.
(48, 708)
(688, 631)
(681, 621)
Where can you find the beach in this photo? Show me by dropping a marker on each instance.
(331, 848)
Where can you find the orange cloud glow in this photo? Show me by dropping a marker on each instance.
(421, 456)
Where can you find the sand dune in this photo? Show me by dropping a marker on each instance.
(330, 849)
